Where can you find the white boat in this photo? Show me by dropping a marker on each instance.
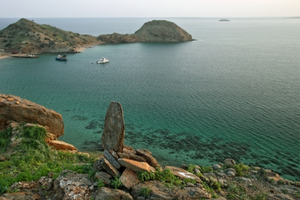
(102, 60)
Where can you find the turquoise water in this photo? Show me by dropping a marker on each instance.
(234, 92)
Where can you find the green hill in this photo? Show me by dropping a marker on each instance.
(25, 36)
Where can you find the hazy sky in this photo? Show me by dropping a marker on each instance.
(148, 8)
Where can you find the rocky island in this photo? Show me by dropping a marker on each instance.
(35, 165)
(153, 31)
(28, 37)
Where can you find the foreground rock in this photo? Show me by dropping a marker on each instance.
(21, 110)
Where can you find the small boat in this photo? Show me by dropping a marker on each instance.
(102, 60)
(61, 58)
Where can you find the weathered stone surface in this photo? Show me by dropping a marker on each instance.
(129, 149)
(114, 128)
(216, 166)
(131, 156)
(112, 194)
(192, 193)
(273, 176)
(230, 172)
(111, 159)
(114, 154)
(129, 178)
(70, 185)
(104, 165)
(159, 190)
(148, 157)
(21, 196)
(135, 165)
(105, 177)
(229, 162)
(60, 145)
(27, 111)
(183, 174)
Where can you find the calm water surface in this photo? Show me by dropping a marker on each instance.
(234, 92)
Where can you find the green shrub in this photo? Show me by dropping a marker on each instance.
(206, 169)
(241, 169)
(191, 168)
(116, 183)
(5, 138)
(100, 183)
(145, 192)
(35, 133)
(34, 159)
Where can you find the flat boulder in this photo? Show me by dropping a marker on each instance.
(135, 165)
(60, 145)
(183, 174)
(147, 155)
(114, 128)
(21, 110)
(112, 194)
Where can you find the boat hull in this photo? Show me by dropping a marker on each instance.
(61, 59)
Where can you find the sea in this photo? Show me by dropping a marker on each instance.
(233, 92)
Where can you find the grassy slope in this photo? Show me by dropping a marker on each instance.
(25, 34)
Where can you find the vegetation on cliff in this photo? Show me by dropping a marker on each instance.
(26, 36)
(25, 156)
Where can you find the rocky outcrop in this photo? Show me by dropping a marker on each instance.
(153, 31)
(114, 128)
(21, 110)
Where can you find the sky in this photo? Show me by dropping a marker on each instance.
(148, 8)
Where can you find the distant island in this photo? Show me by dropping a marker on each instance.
(28, 37)
(224, 20)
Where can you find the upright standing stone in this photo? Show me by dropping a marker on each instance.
(114, 128)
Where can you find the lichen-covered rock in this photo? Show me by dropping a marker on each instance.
(114, 128)
(70, 185)
(21, 110)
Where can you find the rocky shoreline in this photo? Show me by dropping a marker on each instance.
(122, 172)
